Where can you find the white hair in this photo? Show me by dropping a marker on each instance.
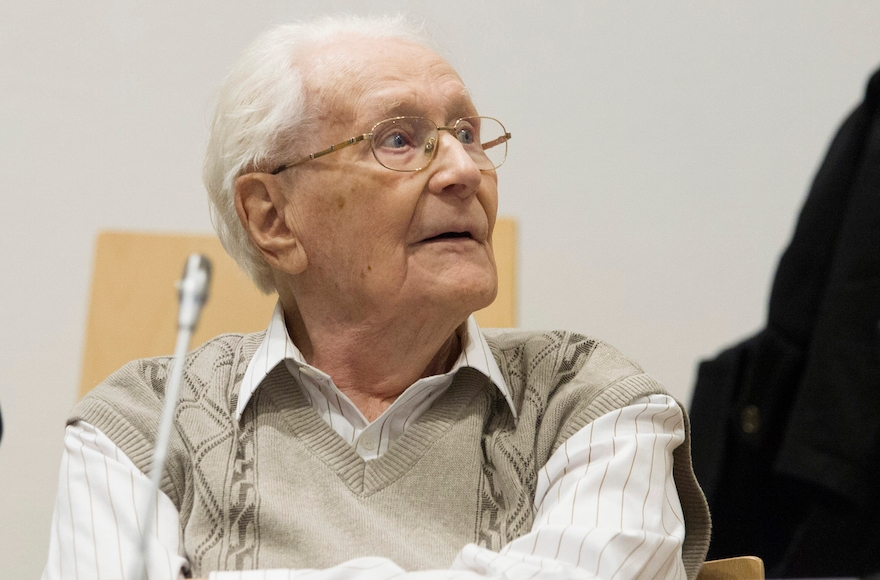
(261, 115)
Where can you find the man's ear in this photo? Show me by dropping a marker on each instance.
(260, 204)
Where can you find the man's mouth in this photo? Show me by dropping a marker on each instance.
(451, 236)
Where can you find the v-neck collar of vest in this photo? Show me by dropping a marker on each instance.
(361, 476)
(276, 346)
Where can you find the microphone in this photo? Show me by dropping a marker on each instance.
(192, 293)
(193, 290)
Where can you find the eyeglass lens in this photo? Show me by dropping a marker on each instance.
(409, 143)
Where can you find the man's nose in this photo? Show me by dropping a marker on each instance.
(455, 171)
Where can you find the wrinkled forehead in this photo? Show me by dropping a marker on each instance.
(364, 80)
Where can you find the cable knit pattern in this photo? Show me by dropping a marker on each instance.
(281, 489)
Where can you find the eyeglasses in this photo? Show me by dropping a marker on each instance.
(409, 143)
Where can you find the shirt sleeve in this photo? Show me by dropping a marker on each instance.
(606, 507)
(606, 503)
(95, 531)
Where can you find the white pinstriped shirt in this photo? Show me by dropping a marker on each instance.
(606, 502)
(370, 440)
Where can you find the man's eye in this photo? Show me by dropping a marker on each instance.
(395, 141)
(466, 136)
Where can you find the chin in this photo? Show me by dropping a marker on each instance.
(458, 286)
(471, 294)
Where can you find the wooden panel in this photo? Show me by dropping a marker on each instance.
(741, 568)
(502, 312)
(133, 304)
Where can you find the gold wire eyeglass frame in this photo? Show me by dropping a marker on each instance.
(430, 146)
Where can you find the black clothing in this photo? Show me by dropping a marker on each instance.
(786, 425)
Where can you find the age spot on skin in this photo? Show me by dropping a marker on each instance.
(340, 202)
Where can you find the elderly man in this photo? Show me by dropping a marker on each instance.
(373, 429)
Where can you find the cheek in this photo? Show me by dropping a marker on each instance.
(357, 218)
(320, 208)
(361, 229)
(488, 198)
(381, 208)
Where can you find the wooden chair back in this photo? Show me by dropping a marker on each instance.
(740, 568)
(133, 301)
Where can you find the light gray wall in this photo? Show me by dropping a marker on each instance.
(661, 152)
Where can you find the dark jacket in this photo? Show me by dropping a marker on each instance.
(786, 425)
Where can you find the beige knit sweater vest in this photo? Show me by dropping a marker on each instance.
(280, 489)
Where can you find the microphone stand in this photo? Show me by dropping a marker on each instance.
(193, 292)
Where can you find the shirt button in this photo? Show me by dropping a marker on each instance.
(368, 442)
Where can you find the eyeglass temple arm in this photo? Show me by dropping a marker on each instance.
(489, 144)
(323, 152)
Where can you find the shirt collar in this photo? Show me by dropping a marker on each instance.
(277, 347)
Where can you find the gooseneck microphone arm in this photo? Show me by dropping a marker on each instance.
(193, 292)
